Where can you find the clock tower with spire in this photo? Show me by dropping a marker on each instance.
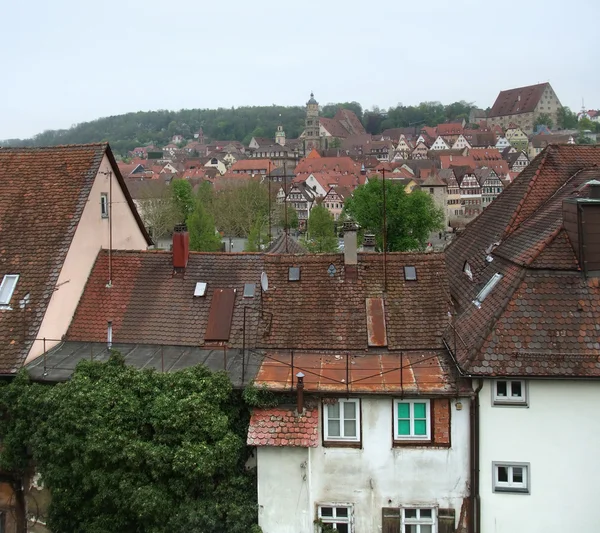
(312, 138)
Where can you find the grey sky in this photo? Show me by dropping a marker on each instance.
(69, 61)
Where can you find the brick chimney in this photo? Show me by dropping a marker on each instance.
(181, 247)
(581, 220)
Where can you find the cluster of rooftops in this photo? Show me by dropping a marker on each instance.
(516, 294)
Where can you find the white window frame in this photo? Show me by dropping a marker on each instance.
(418, 521)
(8, 278)
(334, 520)
(104, 205)
(342, 438)
(523, 487)
(412, 436)
(509, 399)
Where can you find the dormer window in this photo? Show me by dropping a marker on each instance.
(7, 288)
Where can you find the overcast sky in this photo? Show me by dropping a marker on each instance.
(69, 61)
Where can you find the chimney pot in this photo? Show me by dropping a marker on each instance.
(369, 242)
(181, 247)
(300, 393)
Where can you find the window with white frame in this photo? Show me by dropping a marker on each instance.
(511, 477)
(509, 392)
(104, 205)
(418, 520)
(412, 420)
(7, 288)
(342, 420)
(337, 516)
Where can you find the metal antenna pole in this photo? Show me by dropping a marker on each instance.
(384, 234)
(269, 201)
(285, 207)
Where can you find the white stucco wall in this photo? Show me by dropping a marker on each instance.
(370, 478)
(91, 235)
(559, 435)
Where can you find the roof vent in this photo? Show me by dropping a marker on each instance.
(200, 289)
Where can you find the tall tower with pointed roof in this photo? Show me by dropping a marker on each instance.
(311, 127)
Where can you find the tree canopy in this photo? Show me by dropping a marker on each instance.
(321, 231)
(410, 217)
(138, 451)
(544, 119)
(201, 227)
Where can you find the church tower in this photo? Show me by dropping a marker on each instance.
(311, 128)
(280, 135)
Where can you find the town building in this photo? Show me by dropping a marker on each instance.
(524, 283)
(522, 106)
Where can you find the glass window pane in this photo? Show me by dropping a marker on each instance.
(349, 428)
(516, 389)
(326, 511)
(426, 529)
(503, 474)
(425, 513)
(410, 513)
(409, 528)
(349, 410)
(341, 511)
(420, 427)
(517, 476)
(419, 410)
(403, 427)
(403, 410)
(501, 388)
(342, 528)
(334, 428)
(333, 410)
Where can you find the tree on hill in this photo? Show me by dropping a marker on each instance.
(410, 217)
(121, 449)
(566, 119)
(329, 110)
(321, 231)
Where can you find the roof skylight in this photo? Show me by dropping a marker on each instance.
(294, 274)
(483, 293)
(7, 288)
(410, 273)
(467, 270)
(200, 289)
(249, 289)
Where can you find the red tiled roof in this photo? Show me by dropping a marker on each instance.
(43, 194)
(450, 129)
(336, 164)
(447, 161)
(534, 322)
(252, 164)
(278, 426)
(520, 100)
(350, 122)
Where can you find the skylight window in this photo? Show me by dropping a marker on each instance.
(294, 274)
(200, 289)
(7, 288)
(483, 293)
(467, 270)
(249, 290)
(410, 273)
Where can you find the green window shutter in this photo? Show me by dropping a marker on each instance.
(446, 518)
(390, 521)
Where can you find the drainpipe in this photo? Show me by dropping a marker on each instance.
(474, 525)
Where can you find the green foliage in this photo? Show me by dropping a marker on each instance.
(566, 119)
(255, 396)
(586, 124)
(544, 119)
(582, 139)
(321, 231)
(128, 450)
(183, 198)
(410, 217)
(201, 227)
(241, 207)
(329, 110)
(292, 217)
(258, 235)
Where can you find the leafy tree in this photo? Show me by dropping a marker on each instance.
(329, 110)
(183, 198)
(544, 119)
(410, 217)
(566, 119)
(128, 450)
(321, 231)
(586, 124)
(157, 209)
(292, 217)
(582, 139)
(201, 226)
(258, 235)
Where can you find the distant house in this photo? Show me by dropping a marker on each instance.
(522, 106)
(470, 191)
(539, 142)
(460, 143)
(252, 167)
(440, 144)
(517, 161)
(334, 200)
(517, 137)
(502, 143)
(438, 189)
(404, 148)
(420, 151)
(491, 185)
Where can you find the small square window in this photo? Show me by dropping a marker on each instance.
(7, 288)
(341, 420)
(412, 420)
(200, 289)
(294, 274)
(104, 205)
(418, 520)
(410, 273)
(511, 477)
(338, 516)
(249, 289)
(509, 392)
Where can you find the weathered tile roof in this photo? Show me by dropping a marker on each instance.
(540, 319)
(519, 100)
(251, 164)
(278, 246)
(43, 192)
(279, 426)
